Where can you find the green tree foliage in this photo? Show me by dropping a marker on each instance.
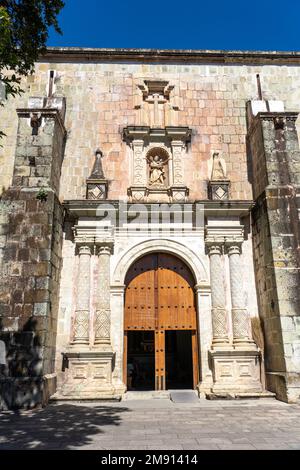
(24, 26)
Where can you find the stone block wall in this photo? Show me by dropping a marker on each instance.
(31, 234)
(276, 237)
(100, 97)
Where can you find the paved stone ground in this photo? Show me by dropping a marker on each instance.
(154, 424)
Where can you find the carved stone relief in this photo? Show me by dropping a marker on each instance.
(156, 103)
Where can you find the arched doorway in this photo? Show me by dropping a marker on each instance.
(160, 324)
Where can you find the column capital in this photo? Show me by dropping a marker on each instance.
(233, 248)
(84, 249)
(177, 143)
(104, 248)
(203, 288)
(214, 248)
(137, 143)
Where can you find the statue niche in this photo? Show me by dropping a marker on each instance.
(158, 172)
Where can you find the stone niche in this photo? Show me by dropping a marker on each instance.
(157, 163)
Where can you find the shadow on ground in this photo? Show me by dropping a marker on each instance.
(57, 426)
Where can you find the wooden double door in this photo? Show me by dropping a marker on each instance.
(160, 324)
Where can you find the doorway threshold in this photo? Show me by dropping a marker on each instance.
(184, 396)
(146, 395)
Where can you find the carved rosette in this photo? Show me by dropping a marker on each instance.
(102, 319)
(82, 312)
(218, 310)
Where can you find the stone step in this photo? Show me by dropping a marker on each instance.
(184, 396)
(239, 396)
(146, 395)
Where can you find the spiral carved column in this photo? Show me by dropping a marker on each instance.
(82, 312)
(240, 316)
(218, 310)
(103, 320)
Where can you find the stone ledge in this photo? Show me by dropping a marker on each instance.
(239, 396)
(57, 397)
(188, 56)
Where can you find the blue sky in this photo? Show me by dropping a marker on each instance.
(190, 24)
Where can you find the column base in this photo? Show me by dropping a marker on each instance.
(235, 371)
(244, 344)
(88, 375)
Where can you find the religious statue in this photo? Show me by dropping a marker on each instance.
(218, 168)
(97, 171)
(157, 172)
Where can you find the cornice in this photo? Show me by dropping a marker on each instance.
(188, 56)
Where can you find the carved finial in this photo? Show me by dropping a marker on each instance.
(218, 168)
(97, 171)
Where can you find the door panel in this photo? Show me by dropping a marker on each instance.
(160, 381)
(159, 296)
(140, 295)
(175, 294)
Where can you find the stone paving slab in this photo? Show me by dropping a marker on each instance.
(154, 424)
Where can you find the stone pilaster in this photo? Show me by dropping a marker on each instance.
(218, 310)
(240, 316)
(82, 312)
(139, 163)
(177, 150)
(103, 314)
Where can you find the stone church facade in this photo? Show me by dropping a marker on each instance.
(150, 211)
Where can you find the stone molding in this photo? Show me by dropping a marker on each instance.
(223, 234)
(271, 116)
(49, 113)
(81, 54)
(197, 265)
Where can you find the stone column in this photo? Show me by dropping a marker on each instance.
(82, 312)
(103, 316)
(240, 315)
(218, 310)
